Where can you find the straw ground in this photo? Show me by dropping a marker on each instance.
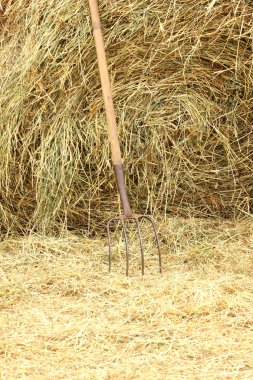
(63, 316)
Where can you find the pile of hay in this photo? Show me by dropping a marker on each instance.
(63, 317)
(182, 84)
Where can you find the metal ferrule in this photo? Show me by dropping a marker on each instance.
(119, 173)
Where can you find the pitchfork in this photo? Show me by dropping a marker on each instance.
(127, 215)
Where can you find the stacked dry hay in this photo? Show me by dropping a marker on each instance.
(182, 83)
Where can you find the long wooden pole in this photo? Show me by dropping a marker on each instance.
(105, 82)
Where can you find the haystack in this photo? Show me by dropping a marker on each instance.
(182, 84)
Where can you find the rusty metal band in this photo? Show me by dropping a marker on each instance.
(119, 174)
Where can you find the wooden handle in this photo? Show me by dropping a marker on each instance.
(105, 82)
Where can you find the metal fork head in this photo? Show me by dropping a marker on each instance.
(137, 220)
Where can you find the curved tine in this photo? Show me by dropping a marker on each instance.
(109, 243)
(156, 237)
(127, 248)
(141, 245)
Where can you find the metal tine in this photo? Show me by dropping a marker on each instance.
(156, 237)
(137, 220)
(109, 243)
(127, 246)
(117, 219)
(141, 245)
